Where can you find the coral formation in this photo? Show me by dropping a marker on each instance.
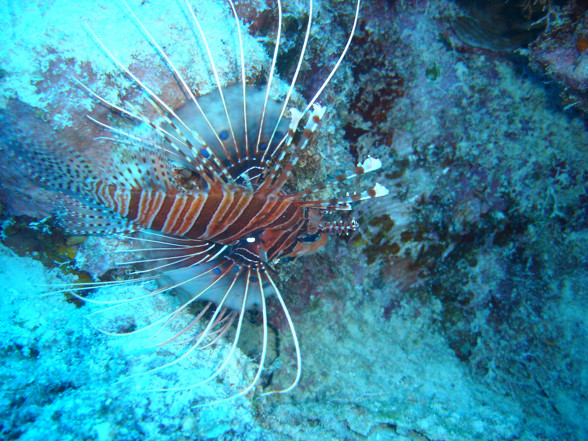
(458, 311)
(560, 54)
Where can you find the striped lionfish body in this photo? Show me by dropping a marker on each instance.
(203, 195)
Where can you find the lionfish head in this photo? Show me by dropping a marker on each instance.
(268, 245)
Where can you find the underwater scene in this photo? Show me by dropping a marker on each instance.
(294, 220)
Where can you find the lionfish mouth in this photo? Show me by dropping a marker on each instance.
(201, 198)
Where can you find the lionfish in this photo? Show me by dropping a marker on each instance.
(204, 193)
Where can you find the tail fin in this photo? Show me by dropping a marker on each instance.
(61, 169)
(68, 173)
(51, 165)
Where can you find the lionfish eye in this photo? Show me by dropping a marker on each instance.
(250, 239)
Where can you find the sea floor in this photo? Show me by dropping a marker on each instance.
(457, 312)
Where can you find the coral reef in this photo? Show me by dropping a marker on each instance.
(457, 311)
(551, 34)
(55, 387)
(560, 54)
(489, 208)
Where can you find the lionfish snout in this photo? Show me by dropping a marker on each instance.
(203, 200)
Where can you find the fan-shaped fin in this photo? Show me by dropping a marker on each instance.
(242, 162)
